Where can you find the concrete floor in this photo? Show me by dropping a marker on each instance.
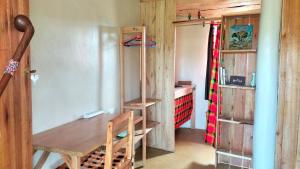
(191, 153)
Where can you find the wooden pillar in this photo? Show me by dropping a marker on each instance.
(288, 140)
(158, 16)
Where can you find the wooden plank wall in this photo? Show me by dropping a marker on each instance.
(158, 16)
(288, 139)
(15, 103)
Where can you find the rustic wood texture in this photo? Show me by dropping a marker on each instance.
(238, 103)
(84, 136)
(143, 102)
(15, 103)
(287, 153)
(216, 8)
(22, 24)
(184, 90)
(158, 16)
(127, 142)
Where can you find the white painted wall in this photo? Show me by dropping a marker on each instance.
(191, 60)
(75, 52)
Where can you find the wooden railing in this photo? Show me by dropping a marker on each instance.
(22, 24)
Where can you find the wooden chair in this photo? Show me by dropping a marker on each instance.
(118, 152)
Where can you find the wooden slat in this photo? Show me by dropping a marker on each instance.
(237, 87)
(134, 29)
(235, 121)
(289, 88)
(137, 103)
(240, 51)
(139, 132)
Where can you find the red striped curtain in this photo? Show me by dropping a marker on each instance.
(210, 134)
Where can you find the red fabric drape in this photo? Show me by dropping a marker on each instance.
(210, 134)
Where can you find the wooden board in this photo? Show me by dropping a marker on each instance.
(216, 8)
(15, 103)
(158, 16)
(184, 90)
(287, 153)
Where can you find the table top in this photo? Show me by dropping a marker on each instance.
(77, 138)
(183, 90)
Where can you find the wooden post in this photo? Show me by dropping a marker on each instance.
(288, 129)
(122, 82)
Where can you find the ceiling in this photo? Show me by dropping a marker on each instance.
(216, 8)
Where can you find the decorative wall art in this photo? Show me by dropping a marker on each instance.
(241, 37)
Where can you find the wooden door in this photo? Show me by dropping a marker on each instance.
(15, 103)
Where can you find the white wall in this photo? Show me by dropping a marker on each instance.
(75, 52)
(191, 60)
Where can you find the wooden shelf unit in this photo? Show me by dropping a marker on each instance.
(142, 103)
(239, 51)
(137, 103)
(231, 120)
(235, 122)
(237, 87)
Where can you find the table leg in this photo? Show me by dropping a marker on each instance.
(42, 160)
(73, 162)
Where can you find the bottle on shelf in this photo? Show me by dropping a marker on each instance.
(253, 80)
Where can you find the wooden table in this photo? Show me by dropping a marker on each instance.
(73, 140)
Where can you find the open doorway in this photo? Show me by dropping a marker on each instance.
(192, 65)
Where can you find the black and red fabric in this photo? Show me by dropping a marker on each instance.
(183, 110)
(210, 134)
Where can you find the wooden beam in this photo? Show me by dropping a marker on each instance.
(158, 16)
(289, 88)
(212, 4)
(217, 8)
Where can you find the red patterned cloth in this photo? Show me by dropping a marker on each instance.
(210, 134)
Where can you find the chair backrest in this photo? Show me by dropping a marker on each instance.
(123, 122)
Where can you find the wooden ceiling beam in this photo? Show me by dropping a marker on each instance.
(216, 8)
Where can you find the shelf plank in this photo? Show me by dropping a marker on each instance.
(240, 51)
(137, 103)
(237, 87)
(235, 154)
(235, 121)
(139, 131)
(138, 119)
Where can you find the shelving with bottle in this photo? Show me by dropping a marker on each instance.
(236, 91)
